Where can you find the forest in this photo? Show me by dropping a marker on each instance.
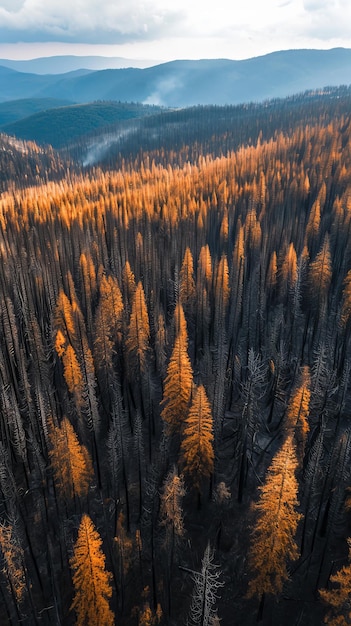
(175, 364)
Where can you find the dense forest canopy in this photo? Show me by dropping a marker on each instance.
(175, 379)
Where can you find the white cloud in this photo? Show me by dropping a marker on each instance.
(183, 29)
(86, 21)
(316, 5)
(328, 19)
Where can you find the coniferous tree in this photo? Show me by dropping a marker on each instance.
(320, 274)
(91, 581)
(108, 323)
(63, 317)
(12, 555)
(71, 463)
(187, 283)
(273, 538)
(296, 422)
(179, 379)
(338, 598)
(139, 330)
(197, 452)
(73, 375)
(204, 268)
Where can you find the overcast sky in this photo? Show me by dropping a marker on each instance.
(171, 29)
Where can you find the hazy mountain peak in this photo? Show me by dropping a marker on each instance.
(184, 83)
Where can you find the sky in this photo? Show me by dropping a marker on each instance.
(170, 29)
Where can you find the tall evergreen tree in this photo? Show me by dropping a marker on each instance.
(139, 330)
(91, 581)
(71, 463)
(197, 444)
(273, 537)
(179, 379)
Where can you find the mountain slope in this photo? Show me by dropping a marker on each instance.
(186, 83)
(60, 126)
(14, 110)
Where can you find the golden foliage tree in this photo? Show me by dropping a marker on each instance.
(60, 343)
(272, 271)
(63, 317)
(180, 326)
(320, 273)
(253, 232)
(13, 561)
(111, 303)
(108, 322)
(204, 270)
(148, 618)
(296, 422)
(224, 230)
(338, 598)
(197, 444)
(91, 581)
(273, 538)
(73, 374)
(187, 284)
(314, 220)
(288, 272)
(222, 288)
(137, 342)
(71, 463)
(88, 278)
(346, 300)
(178, 381)
(129, 284)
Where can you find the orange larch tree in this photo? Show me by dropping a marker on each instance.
(204, 268)
(186, 277)
(273, 537)
(138, 338)
(12, 557)
(338, 598)
(63, 317)
(73, 375)
(178, 381)
(108, 323)
(91, 581)
(320, 274)
(197, 445)
(296, 422)
(71, 463)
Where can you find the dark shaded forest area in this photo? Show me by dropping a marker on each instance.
(175, 366)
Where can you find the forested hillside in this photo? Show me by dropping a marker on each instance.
(182, 135)
(175, 382)
(24, 163)
(62, 125)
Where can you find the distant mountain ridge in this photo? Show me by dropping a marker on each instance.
(188, 83)
(61, 64)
